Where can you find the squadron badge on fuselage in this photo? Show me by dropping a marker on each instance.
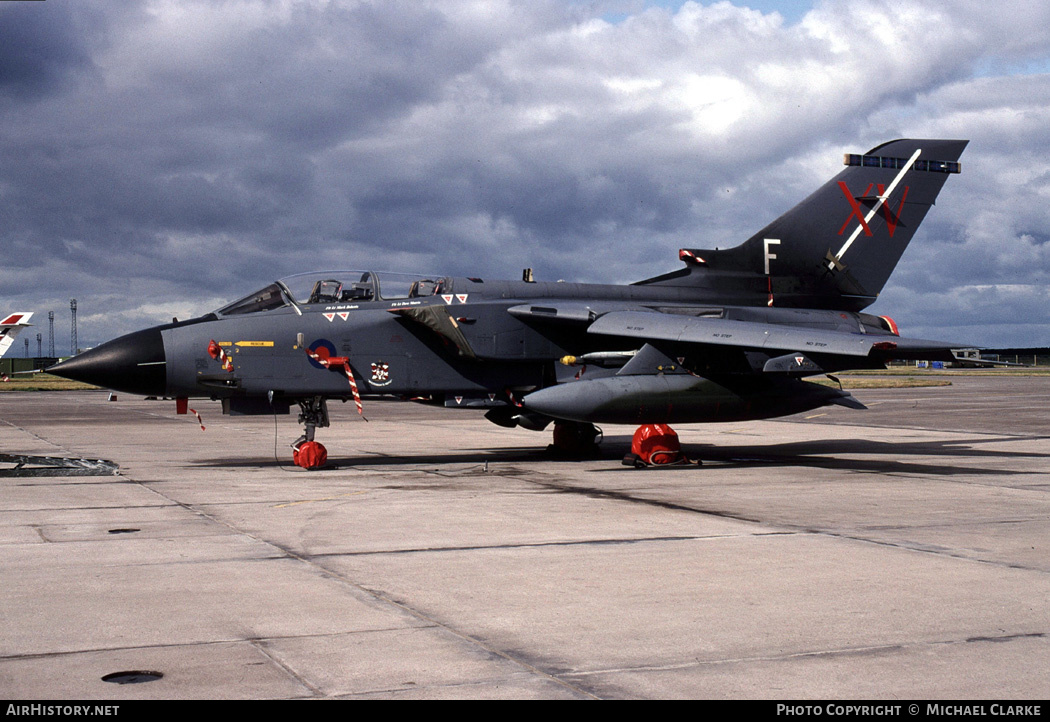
(380, 374)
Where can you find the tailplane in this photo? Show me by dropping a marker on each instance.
(838, 247)
(10, 327)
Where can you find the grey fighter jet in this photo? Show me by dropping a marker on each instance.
(729, 336)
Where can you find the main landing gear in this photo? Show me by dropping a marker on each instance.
(651, 445)
(307, 453)
(575, 440)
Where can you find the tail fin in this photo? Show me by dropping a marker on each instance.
(838, 247)
(11, 327)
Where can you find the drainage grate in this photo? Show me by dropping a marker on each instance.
(55, 466)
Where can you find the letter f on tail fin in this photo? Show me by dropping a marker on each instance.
(10, 327)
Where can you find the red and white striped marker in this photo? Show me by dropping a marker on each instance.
(182, 406)
(335, 361)
(216, 352)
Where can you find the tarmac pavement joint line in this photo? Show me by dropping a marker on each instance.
(604, 493)
(540, 545)
(327, 498)
(386, 599)
(36, 436)
(920, 549)
(843, 652)
(279, 663)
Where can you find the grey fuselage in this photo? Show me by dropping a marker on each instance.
(505, 341)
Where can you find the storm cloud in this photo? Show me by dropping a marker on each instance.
(160, 158)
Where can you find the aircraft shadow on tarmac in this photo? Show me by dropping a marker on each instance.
(841, 454)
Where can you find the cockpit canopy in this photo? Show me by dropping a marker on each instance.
(334, 287)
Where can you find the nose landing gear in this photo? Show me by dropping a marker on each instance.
(307, 453)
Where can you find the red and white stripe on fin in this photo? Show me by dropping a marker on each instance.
(10, 327)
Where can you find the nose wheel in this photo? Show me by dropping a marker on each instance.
(307, 453)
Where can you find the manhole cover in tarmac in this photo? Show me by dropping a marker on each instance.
(132, 677)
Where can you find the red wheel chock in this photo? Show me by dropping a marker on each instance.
(655, 445)
(310, 455)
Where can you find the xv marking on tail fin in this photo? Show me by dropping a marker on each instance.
(883, 197)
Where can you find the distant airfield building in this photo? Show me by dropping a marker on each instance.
(1030, 357)
(1033, 356)
(9, 365)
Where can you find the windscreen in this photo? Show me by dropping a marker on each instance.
(265, 299)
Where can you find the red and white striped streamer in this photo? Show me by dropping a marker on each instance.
(216, 352)
(333, 362)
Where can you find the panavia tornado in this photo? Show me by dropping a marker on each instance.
(732, 335)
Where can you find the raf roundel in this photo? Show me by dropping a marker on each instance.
(323, 348)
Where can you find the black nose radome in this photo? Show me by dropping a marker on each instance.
(134, 364)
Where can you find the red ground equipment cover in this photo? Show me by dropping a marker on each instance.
(310, 455)
(656, 444)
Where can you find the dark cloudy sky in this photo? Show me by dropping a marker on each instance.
(158, 158)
